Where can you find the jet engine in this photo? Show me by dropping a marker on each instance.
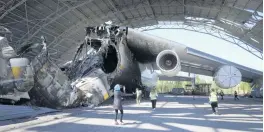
(168, 62)
(227, 76)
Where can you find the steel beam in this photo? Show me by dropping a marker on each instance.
(152, 11)
(12, 8)
(184, 8)
(6, 5)
(52, 11)
(54, 16)
(66, 33)
(117, 10)
(80, 14)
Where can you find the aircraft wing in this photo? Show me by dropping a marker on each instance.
(198, 62)
(146, 48)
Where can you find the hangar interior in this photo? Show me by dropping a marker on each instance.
(49, 33)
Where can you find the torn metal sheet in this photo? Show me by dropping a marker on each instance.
(16, 75)
(102, 61)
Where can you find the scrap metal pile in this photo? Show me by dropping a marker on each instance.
(28, 73)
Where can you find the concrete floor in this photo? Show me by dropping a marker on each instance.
(175, 114)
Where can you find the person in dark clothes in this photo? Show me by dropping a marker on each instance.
(222, 95)
(235, 94)
(118, 103)
(153, 97)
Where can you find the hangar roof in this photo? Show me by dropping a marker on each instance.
(62, 22)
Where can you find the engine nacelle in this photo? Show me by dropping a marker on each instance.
(168, 63)
(227, 76)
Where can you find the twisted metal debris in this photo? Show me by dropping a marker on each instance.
(84, 80)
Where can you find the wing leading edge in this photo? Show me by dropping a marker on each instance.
(248, 74)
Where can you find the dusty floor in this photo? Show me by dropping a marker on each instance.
(173, 113)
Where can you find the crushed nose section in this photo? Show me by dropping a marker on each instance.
(52, 88)
(94, 64)
(94, 87)
(88, 76)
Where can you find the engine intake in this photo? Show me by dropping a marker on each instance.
(227, 76)
(168, 62)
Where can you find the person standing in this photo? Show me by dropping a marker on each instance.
(235, 95)
(222, 95)
(118, 103)
(193, 94)
(153, 97)
(124, 89)
(139, 95)
(214, 101)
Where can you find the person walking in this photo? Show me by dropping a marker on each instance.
(153, 97)
(139, 96)
(118, 103)
(235, 96)
(213, 101)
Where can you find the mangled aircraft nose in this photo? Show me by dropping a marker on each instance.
(110, 60)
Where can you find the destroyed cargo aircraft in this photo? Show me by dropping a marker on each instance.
(109, 55)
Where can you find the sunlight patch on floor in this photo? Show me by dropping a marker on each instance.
(257, 129)
(127, 111)
(174, 114)
(108, 122)
(232, 115)
(253, 109)
(193, 128)
(187, 118)
(244, 119)
(235, 121)
(229, 130)
(153, 127)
